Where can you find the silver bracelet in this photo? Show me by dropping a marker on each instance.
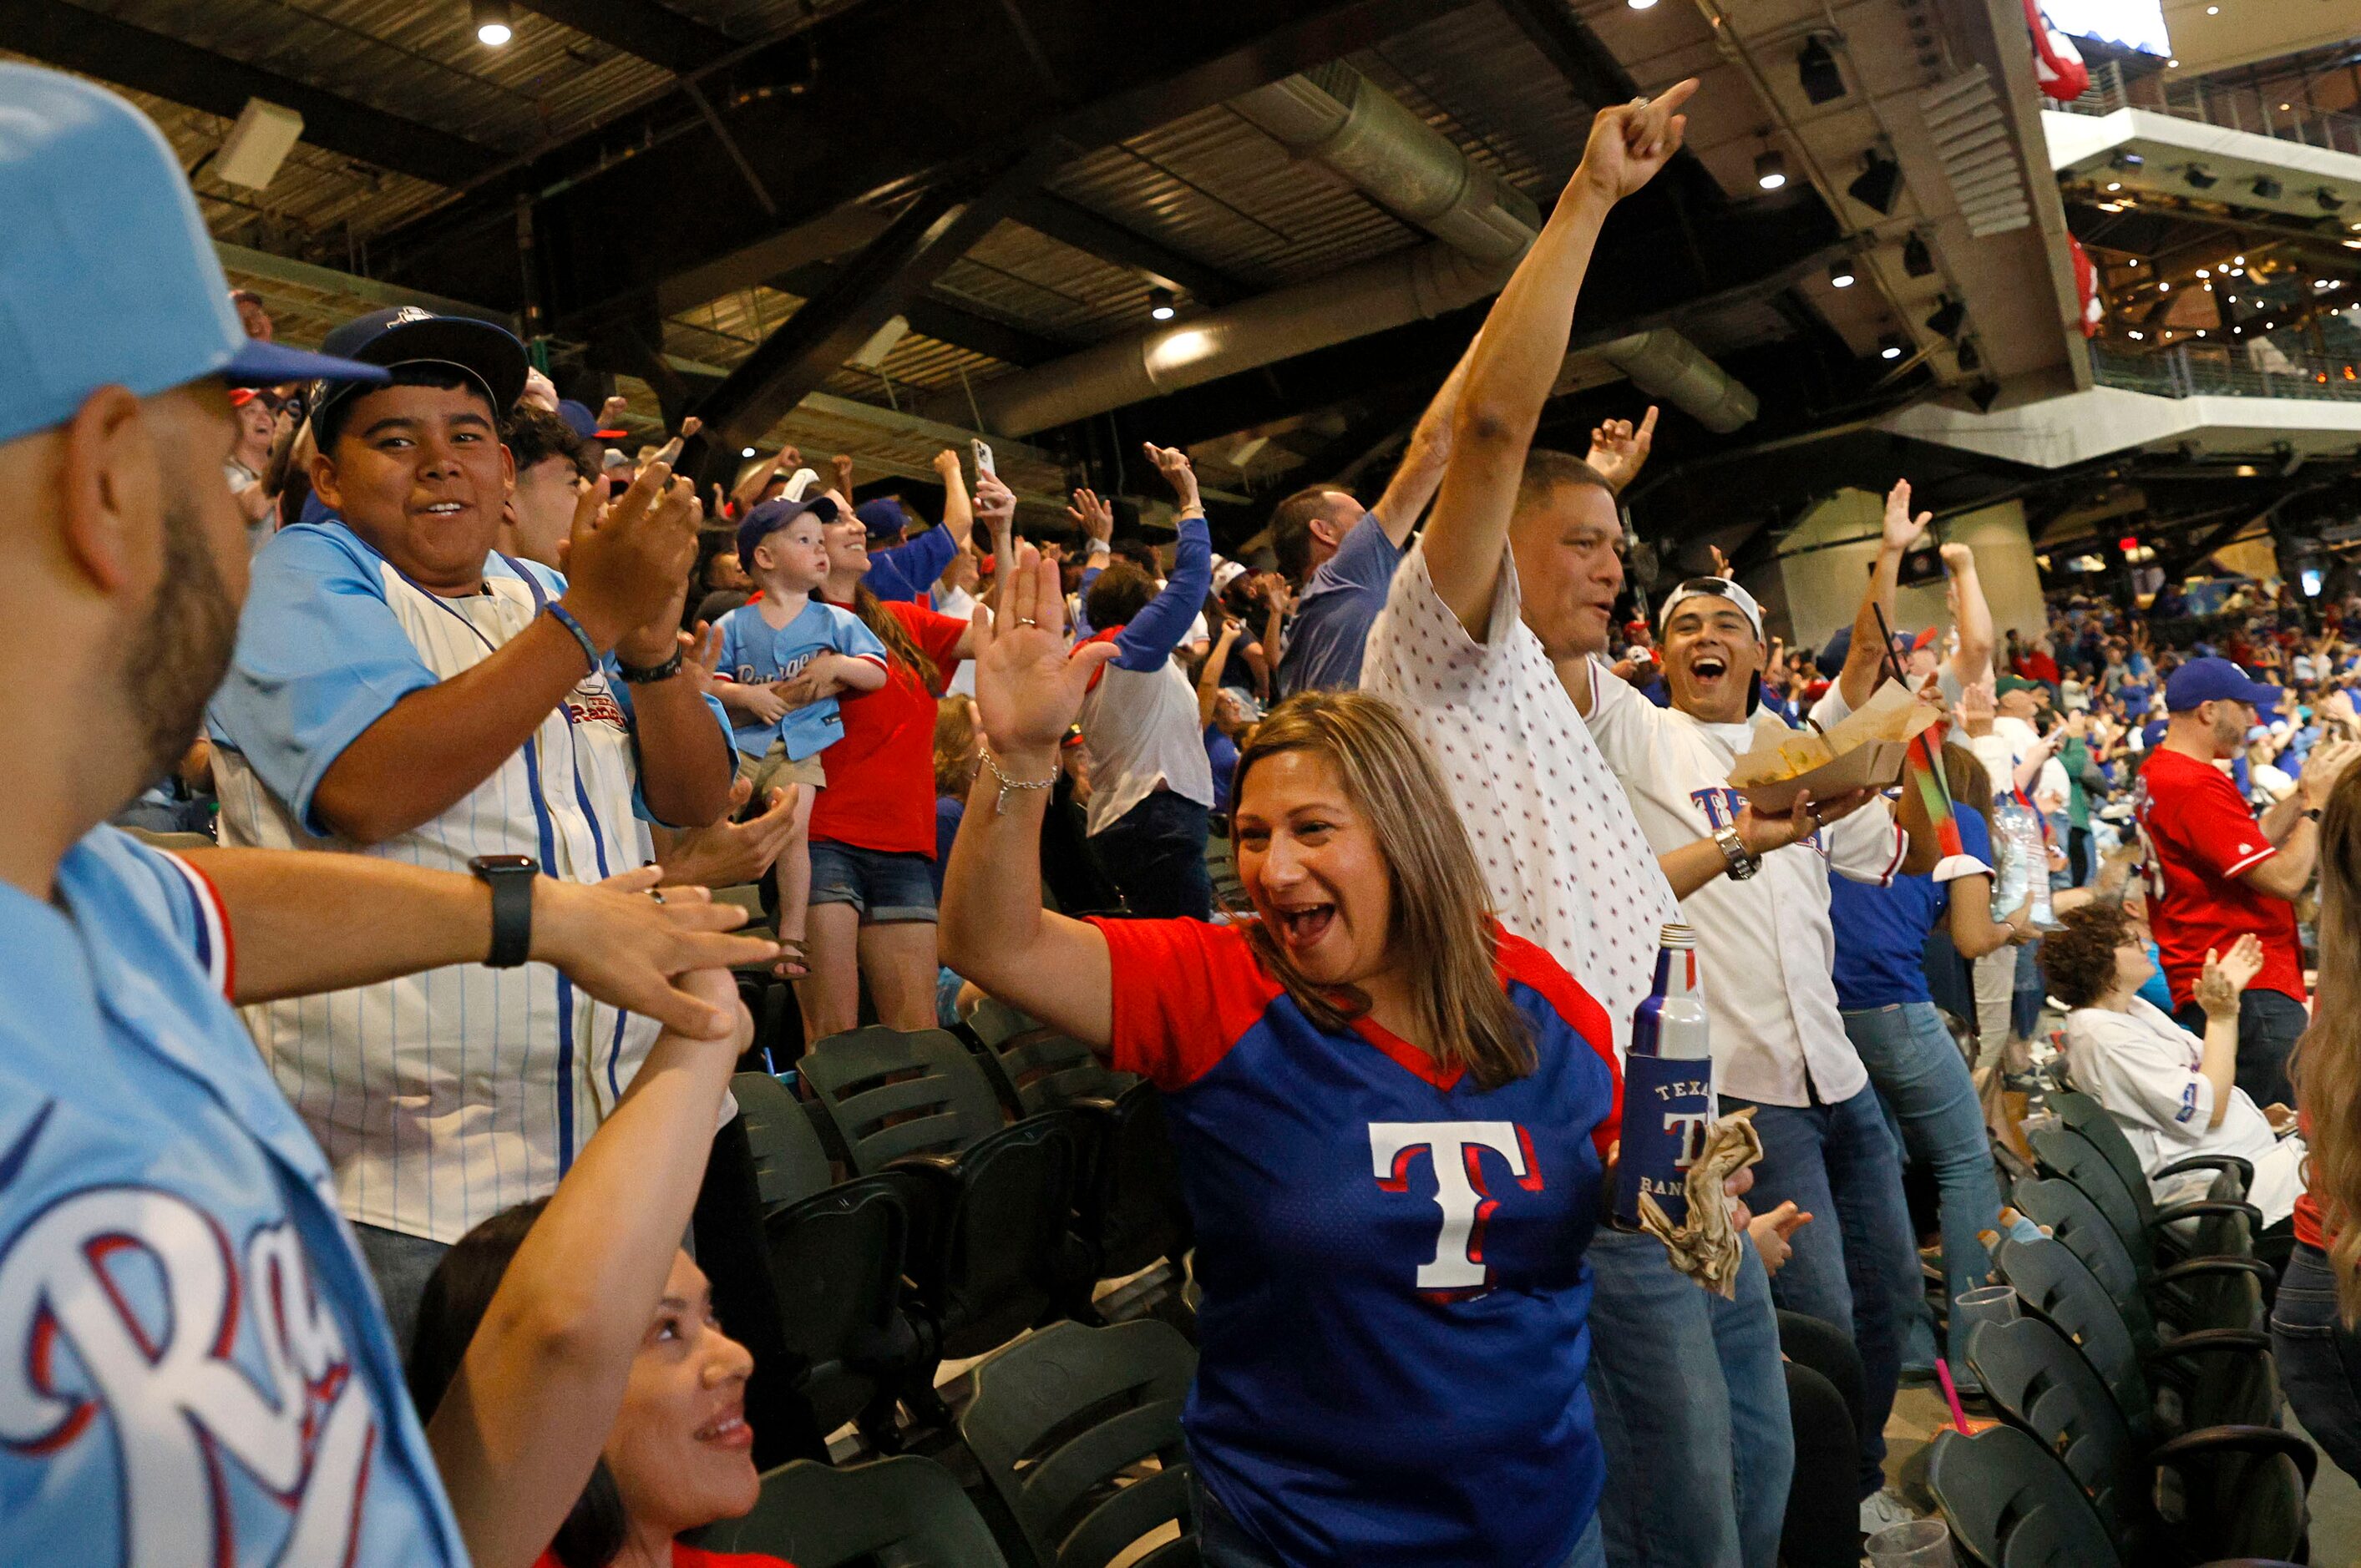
(1000, 801)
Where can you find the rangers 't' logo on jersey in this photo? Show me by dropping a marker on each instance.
(140, 1288)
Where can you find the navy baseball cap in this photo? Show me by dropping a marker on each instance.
(2215, 680)
(773, 515)
(108, 276)
(484, 352)
(884, 517)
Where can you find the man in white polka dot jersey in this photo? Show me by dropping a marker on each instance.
(1518, 571)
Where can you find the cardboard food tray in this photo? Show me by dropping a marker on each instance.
(1875, 765)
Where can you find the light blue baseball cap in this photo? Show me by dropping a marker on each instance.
(107, 276)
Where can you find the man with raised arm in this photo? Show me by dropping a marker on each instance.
(1517, 576)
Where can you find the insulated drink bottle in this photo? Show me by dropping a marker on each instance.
(1667, 1086)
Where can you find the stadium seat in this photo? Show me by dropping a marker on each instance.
(905, 1512)
(2011, 1503)
(991, 1251)
(1034, 1068)
(1058, 1421)
(2131, 1207)
(2196, 1293)
(2209, 1377)
(822, 1301)
(2233, 1491)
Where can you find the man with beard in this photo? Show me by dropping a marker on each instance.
(403, 690)
(2215, 872)
(1765, 944)
(191, 1361)
(1514, 581)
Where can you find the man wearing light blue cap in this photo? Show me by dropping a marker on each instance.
(194, 1366)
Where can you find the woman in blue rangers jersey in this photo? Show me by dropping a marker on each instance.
(1392, 1120)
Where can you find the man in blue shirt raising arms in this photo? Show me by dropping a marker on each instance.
(192, 1363)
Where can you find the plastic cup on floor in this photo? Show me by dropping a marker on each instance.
(1987, 1304)
(1919, 1543)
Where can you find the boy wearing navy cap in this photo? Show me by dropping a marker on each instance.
(2215, 872)
(192, 1364)
(402, 689)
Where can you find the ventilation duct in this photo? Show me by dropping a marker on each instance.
(1666, 365)
(1389, 291)
(1342, 119)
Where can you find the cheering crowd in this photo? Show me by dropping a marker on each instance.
(479, 708)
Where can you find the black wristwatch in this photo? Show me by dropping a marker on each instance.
(511, 879)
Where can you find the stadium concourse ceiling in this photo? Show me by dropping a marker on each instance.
(880, 222)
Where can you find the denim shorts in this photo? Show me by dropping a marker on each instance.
(886, 888)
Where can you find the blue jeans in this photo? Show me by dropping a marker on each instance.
(1691, 1403)
(1931, 1105)
(2269, 1023)
(1838, 1163)
(1155, 855)
(1222, 1543)
(2024, 999)
(2319, 1358)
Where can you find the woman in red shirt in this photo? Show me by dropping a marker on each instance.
(679, 1455)
(873, 832)
(2314, 1342)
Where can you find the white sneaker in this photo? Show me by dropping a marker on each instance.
(1885, 1507)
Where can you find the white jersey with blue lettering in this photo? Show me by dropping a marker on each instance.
(1765, 946)
(444, 1097)
(194, 1366)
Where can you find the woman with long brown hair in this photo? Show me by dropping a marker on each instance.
(872, 830)
(2313, 1319)
(1391, 1119)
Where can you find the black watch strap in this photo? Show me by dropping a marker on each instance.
(510, 878)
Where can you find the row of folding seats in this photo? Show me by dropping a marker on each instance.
(2141, 1412)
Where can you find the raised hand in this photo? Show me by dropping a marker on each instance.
(1619, 449)
(540, 392)
(995, 504)
(1028, 688)
(1629, 142)
(2227, 974)
(1901, 528)
(843, 464)
(1173, 464)
(1762, 834)
(1094, 517)
(627, 562)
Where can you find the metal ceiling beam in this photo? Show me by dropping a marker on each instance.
(932, 316)
(169, 68)
(654, 33)
(888, 275)
(829, 144)
(1596, 79)
(1071, 223)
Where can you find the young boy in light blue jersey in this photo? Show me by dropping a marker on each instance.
(787, 656)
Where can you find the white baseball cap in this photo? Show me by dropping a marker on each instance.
(1712, 588)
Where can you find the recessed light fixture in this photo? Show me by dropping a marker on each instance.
(495, 24)
(2126, 159)
(2172, 65)
(1160, 304)
(2203, 272)
(2137, 336)
(2287, 108)
(1889, 347)
(1640, 5)
(2163, 286)
(746, 452)
(1770, 170)
(2213, 10)
(1841, 275)
(2237, 261)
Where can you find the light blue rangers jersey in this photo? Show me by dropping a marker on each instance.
(755, 652)
(193, 1365)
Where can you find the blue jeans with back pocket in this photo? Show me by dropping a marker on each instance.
(2319, 1358)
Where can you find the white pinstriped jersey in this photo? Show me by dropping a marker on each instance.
(1765, 946)
(444, 1097)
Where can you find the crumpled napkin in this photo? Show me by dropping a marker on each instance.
(1707, 1247)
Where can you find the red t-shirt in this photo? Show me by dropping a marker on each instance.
(2201, 837)
(686, 1556)
(881, 775)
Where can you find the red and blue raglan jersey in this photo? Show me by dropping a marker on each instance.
(1394, 1327)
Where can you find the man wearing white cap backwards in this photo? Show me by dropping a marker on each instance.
(192, 1364)
(1765, 944)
